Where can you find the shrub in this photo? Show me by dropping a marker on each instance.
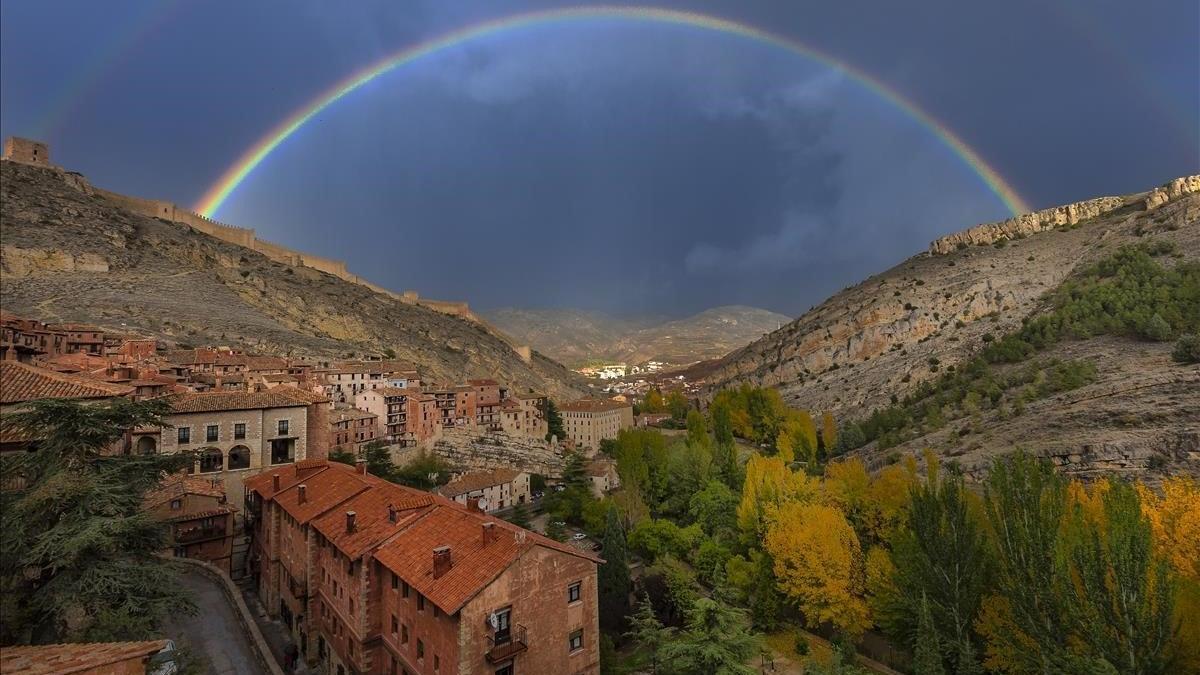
(1187, 349)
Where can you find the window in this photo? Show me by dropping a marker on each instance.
(185, 435)
(239, 431)
(576, 640)
(404, 634)
(573, 591)
(420, 603)
(395, 625)
(420, 649)
(404, 588)
(211, 460)
(395, 583)
(176, 504)
(239, 457)
(211, 433)
(437, 662)
(283, 427)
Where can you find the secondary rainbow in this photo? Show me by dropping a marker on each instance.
(252, 158)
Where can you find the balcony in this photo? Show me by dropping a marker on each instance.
(503, 645)
(199, 533)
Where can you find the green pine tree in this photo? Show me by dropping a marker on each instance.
(555, 531)
(78, 558)
(648, 634)
(613, 577)
(927, 652)
(716, 640)
(554, 422)
(519, 516)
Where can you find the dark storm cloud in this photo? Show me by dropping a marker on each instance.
(611, 165)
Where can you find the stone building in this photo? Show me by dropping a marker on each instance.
(239, 434)
(591, 420)
(492, 490)
(198, 517)
(603, 476)
(24, 150)
(406, 416)
(350, 428)
(373, 577)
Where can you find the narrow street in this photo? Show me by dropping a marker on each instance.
(214, 631)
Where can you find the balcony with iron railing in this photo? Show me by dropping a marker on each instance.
(503, 645)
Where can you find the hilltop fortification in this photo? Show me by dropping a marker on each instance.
(28, 151)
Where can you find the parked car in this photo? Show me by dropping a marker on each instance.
(579, 536)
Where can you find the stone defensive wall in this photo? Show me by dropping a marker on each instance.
(1048, 219)
(247, 238)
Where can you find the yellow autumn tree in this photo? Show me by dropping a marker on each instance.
(889, 497)
(828, 432)
(819, 565)
(769, 484)
(1175, 523)
(797, 438)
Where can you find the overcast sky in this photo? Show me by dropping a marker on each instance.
(611, 165)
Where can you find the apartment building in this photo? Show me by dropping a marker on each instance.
(373, 577)
(407, 416)
(347, 380)
(490, 490)
(198, 518)
(351, 428)
(591, 420)
(487, 396)
(239, 434)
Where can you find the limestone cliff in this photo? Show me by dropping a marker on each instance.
(877, 339)
(72, 253)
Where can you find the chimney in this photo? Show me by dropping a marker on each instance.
(489, 533)
(473, 504)
(349, 521)
(441, 561)
(393, 514)
(275, 483)
(361, 466)
(303, 490)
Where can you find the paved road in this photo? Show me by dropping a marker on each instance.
(214, 631)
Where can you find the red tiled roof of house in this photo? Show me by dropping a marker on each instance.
(593, 405)
(214, 401)
(393, 391)
(264, 362)
(20, 382)
(173, 487)
(63, 659)
(343, 414)
(477, 480)
(293, 474)
(222, 510)
(372, 520)
(190, 356)
(322, 491)
(509, 404)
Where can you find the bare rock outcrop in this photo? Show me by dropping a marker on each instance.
(1172, 191)
(467, 450)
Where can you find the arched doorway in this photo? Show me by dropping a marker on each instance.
(146, 445)
(211, 460)
(239, 458)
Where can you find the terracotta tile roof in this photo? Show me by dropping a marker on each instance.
(216, 401)
(593, 405)
(477, 480)
(20, 382)
(176, 486)
(290, 475)
(372, 522)
(343, 414)
(63, 659)
(529, 396)
(264, 362)
(322, 491)
(222, 510)
(474, 565)
(509, 404)
(190, 356)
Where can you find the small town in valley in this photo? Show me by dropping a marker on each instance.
(716, 338)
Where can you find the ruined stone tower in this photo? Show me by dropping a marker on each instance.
(25, 150)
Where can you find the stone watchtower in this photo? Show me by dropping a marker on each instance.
(27, 151)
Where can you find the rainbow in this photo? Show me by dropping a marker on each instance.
(220, 191)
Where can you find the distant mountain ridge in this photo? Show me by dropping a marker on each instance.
(576, 337)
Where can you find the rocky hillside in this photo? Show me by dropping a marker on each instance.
(576, 337)
(69, 254)
(883, 337)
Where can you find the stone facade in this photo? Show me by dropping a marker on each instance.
(24, 150)
(589, 421)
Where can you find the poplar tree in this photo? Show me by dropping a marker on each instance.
(927, 652)
(78, 559)
(613, 577)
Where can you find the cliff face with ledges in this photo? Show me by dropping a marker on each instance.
(881, 337)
